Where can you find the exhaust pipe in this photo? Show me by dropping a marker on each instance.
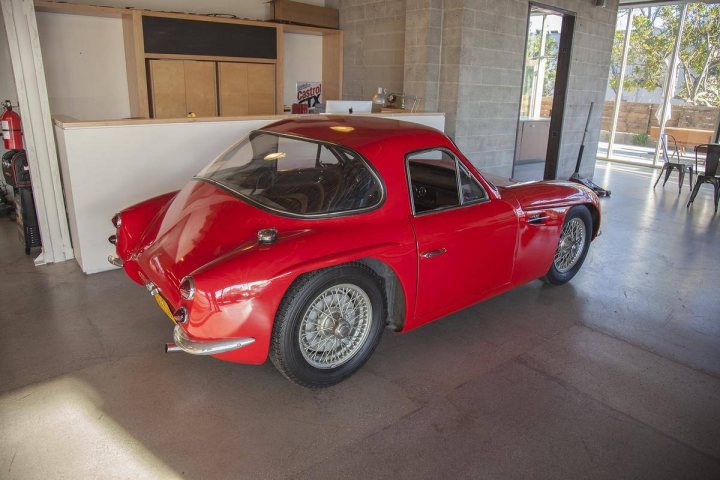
(171, 347)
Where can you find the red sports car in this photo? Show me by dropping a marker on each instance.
(306, 239)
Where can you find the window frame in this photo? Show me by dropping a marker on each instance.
(311, 216)
(458, 163)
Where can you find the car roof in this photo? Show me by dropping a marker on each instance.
(358, 132)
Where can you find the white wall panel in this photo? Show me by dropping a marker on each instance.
(84, 61)
(303, 62)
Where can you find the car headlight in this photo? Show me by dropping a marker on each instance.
(187, 288)
(116, 220)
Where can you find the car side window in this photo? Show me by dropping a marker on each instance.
(439, 181)
(470, 188)
(433, 180)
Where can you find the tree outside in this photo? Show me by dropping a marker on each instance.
(551, 55)
(652, 40)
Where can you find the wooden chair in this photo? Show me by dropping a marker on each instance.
(712, 161)
(669, 165)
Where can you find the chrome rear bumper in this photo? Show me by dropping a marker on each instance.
(115, 260)
(204, 347)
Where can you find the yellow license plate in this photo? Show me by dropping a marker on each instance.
(164, 306)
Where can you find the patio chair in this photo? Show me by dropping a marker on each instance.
(670, 163)
(712, 161)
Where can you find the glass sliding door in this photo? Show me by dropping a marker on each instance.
(664, 78)
(641, 95)
(694, 109)
(618, 60)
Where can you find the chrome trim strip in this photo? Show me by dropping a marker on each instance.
(115, 260)
(206, 347)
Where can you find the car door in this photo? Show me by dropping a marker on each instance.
(465, 237)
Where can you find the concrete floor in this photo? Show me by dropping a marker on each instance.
(615, 375)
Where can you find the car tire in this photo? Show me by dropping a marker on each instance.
(573, 246)
(328, 325)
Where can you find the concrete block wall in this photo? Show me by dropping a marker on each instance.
(423, 44)
(374, 46)
(465, 58)
(491, 63)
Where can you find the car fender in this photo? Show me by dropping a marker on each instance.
(133, 228)
(245, 287)
(542, 210)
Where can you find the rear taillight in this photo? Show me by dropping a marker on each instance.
(187, 288)
(181, 315)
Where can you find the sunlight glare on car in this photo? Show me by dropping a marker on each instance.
(275, 156)
(342, 129)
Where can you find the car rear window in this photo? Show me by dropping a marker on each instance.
(296, 176)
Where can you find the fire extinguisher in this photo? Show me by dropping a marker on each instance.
(11, 128)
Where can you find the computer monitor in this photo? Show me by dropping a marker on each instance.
(344, 106)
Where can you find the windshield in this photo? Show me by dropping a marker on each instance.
(295, 176)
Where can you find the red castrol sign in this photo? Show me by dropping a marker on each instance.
(309, 93)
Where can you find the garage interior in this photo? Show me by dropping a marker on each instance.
(613, 375)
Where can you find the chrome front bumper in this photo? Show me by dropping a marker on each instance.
(204, 347)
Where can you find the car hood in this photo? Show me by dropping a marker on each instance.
(202, 224)
(547, 194)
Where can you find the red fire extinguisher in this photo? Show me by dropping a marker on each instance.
(11, 128)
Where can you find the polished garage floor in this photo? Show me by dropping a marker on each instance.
(616, 375)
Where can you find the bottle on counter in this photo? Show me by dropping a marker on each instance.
(378, 100)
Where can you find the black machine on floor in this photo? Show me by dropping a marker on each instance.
(16, 174)
(599, 191)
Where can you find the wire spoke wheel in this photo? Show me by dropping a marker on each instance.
(571, 246)
(335, 326)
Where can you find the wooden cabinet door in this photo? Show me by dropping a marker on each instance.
(246, 88)
(233, 88)
(167, 85)
(261, 88)
(200, 88)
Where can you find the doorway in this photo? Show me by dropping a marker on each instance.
(542, 103)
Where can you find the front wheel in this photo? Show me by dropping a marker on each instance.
(328, 325)
(573, 246)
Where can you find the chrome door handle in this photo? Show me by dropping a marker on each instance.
(433, 253)
(537, 219)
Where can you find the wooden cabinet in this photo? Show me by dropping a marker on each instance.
(246, 88)
(206, 88)
(178, 87)
(155, 88)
